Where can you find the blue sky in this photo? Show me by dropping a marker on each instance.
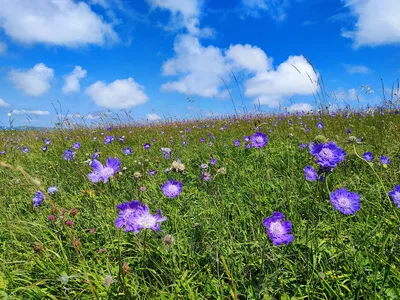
(149, 56)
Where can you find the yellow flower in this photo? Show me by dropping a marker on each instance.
(9, 114)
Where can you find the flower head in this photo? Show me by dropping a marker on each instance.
(236, 143)
(172, 188)
(327, 154)
(76, 145)
(46, 141)
(246, 138)
(101, 172)
(146, 146)
(44, 148)
(152, 172)
(310, 173)
(213, 161)
(166, 152)
(52, 190)
(278, 231)
(384, 160)
(38, 199)
(395, 195)
(127, 151)
(135, 216)
(108, 139)
(259, 140)
(68, 155)
(320, 125)
(25, 149)
(345, 201)
(368, 156)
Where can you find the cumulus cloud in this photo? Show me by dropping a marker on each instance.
(153, 117)
(122, 93)
(71, 81)
(300, 107)
(184, 14)
(57, 22)
(31, 112)
(200, 71)
(3, 103)
(378, 22)
(275, 8)
(35, 81)
(357, 69)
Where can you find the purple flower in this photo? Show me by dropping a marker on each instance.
(68, 155)
(146, 146)
(303, 146)
(25, 149)
(278, 231)
(213, 161)
(3, 152)
(184, 143)
(327, 154)
(248, 146)
(246, 138)
(38, 199)
(395, 195)
(348, 131)
(166, 152)
(259, 140)
(108, 139)
(384, 160)
(172, 188)
(46, 141)
(202, 140)
(205, 175)
(109, 128)
(236, 143)
(368, 156)
(121, 139)
(95, 154)
(310, 173)
(152, 172)
(44, 148)
(345, 201)
(135, 216)
(320, 125)
(76, 146)
(52, 190)
(127, 151)
(101, 172)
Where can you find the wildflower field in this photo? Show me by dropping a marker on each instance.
(301, 206)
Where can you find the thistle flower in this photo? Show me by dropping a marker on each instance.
(278, 231)
(135, 216)
(259, 140)
(172, 188)
(101, 172)
(310, 173)
(395, 195)
(327, 154)
(68, 155)
(69, 223)
(38, 199)
(368, 156)
(345, 201)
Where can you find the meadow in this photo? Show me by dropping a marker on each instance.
(244, 220)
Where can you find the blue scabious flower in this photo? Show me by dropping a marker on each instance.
(327, 154)
(384, 160)
(303, 146)
(166, 152)
(135, 216)
(152, 172)
(127, 151)
(345, 201)
(348, 131)
(76, 146)
(52, 190)
(104, 173)
(247, 138)
(279, 232)
(236, 143)
(259, 140)
(395, 195)
(68, 155)
(46, 141)
(172, 188)
(108, 139)
(95, 154)
(121, 139)
(310, 173)
(213, 161)
(320, 125)
(44, 148)
(146, 146)
(38, 199)
(368, 156)
(25, 149)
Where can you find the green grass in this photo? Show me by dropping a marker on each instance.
(221, 249)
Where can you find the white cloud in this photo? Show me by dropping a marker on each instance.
(122, 93)
(31, 112)
(276, 8)
(184, 14)
(349, 95)
(57, 22)
(357, 69)
(200, 69)
(300, 107)
(3, 47)
(35, 81)
(378, 22)
(71, 83)
(153, 117)
(79, 116)
(4, 103)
